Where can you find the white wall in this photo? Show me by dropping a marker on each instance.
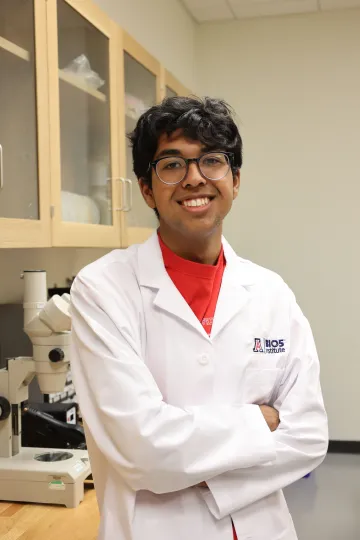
(295, 84)
(59, 263)
(163, 27)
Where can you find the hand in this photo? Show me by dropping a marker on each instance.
(271, 416)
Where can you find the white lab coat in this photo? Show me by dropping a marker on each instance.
(167, 407)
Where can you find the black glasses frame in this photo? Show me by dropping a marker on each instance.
(154, 163)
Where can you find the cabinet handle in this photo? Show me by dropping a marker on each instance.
(129, 200)
(1, 168)
(121, 208)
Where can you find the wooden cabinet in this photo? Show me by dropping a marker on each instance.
(74, 86)
(83, 57)
(24, 143)
(140, 89)
(143, 83)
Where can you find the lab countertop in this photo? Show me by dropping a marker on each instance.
(45, 522)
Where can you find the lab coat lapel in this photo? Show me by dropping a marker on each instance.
(234, 291)
(152, 274)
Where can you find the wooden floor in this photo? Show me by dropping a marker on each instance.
(43, 522)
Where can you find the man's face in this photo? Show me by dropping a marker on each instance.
(177, 215)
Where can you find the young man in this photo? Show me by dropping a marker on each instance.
(196, 371)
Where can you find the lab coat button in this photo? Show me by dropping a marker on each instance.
(203, 359)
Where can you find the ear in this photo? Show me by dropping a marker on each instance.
(147, 193)
(236, 183)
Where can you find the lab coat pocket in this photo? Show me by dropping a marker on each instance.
(260, 386)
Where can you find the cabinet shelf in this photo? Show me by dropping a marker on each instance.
(75, 81)
(14, 49)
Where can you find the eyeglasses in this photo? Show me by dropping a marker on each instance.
(212, 166)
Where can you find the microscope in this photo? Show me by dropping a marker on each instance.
(39, 475)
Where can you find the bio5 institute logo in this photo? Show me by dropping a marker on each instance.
(269, 346)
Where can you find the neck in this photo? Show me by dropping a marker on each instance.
(201, 250)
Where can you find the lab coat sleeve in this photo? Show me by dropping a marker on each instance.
(153, 446)
(301, 439)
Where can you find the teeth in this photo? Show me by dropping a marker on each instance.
(196, 202)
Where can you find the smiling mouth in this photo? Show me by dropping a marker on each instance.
(199, 202)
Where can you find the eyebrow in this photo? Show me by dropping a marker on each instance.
(169, 152)
(176, 152)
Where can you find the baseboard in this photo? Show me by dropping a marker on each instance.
(344, 447)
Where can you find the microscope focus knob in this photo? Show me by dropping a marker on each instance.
(56, 355)
(5, 408)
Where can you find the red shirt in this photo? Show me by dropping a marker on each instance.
(199, 284)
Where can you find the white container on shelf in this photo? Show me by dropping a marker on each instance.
(79, 208)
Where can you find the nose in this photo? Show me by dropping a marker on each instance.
(193, 177)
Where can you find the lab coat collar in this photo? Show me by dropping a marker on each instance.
(234, 294)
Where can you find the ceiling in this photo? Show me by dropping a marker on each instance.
(226, 10)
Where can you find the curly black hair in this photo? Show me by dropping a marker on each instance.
(207, 120)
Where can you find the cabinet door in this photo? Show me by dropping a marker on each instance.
(173, 87)
(84, 136)
(141, 89)
(24, 150)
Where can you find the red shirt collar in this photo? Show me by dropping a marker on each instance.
(174, 262)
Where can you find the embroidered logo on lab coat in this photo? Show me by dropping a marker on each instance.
(269, 346)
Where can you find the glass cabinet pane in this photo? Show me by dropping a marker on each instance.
(170, 93)
(140, 94)
(84, 119)
(18, 113)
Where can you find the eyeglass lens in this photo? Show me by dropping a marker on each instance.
(213, 166)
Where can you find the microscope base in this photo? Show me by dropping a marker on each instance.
(58, 480)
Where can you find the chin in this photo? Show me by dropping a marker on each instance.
(201, 228)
